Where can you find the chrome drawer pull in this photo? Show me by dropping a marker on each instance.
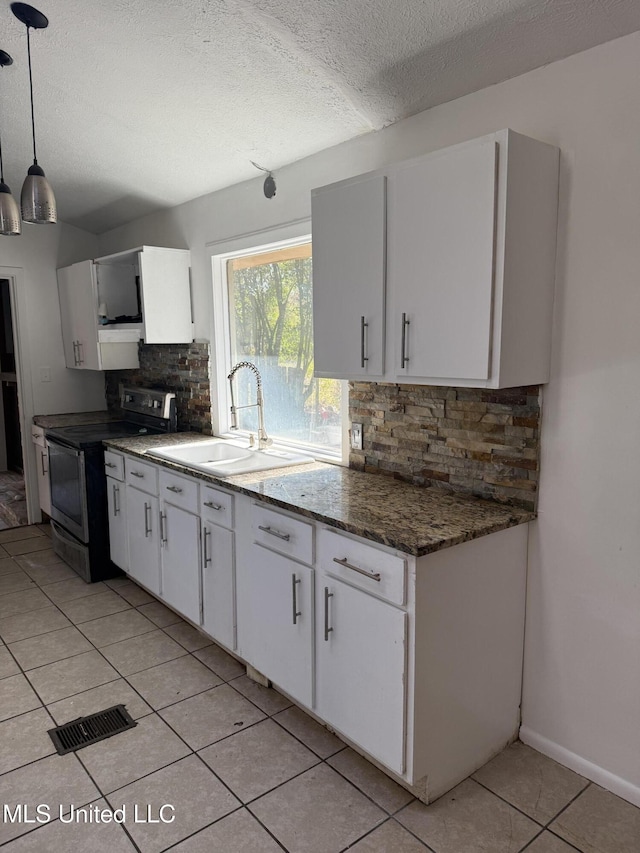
(363, 326)
(404, 359)
(211, 505)
(136, 474)
(327, 629)
(285, 536)
(374, 576)
(110, 465)
(296, 612)
(207, 558)
(176, 489)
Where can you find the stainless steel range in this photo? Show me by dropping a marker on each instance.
(78, 483)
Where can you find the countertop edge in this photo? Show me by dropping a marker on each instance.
(515, 517)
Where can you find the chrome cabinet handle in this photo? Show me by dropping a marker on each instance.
(80, 350)
(75, 354)
(327, 629)
(176, 489)
(363, 326)
(211, 505)
(374, 576)
(45, 471)
(147, 520)
(207, 558)
(404, 358)
(294, 598)
(285, 536)
(116, 505)
(110, 465)
(163, 532)
(137, 474)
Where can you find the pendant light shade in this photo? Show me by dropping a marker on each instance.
(37, 200)
(10, 225)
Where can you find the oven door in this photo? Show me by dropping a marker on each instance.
(68, 489)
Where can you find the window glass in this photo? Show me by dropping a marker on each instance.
(271, 325)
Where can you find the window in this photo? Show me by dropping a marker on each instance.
(269, 308)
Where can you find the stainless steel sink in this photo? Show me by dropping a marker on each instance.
(226, 458)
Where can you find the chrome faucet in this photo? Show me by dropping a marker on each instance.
(263, 439)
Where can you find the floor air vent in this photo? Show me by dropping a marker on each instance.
(87, 730)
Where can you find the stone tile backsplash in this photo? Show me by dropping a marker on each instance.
(483, 442)
(181, 368)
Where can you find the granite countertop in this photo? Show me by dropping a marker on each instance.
(413, 519)
(74, 419)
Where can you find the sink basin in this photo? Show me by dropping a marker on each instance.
(226, 458)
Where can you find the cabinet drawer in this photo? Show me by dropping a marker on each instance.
(141, 475)
(37, 436)
(216, 506)
(114, 465)
(290, 536)
(363, 565)
(180, 491)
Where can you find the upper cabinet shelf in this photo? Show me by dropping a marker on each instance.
(440, 270)
(146, 291)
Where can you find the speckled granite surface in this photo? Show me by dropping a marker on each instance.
(413, 519)
(74, 419)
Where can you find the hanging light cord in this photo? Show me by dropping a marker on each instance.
(33, 119)
(1, 166)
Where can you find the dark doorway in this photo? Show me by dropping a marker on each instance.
(13, 507)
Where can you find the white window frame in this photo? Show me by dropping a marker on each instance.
(293, 234)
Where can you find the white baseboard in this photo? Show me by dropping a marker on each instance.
(615, 784)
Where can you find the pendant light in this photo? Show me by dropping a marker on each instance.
(37, 200)
(10, 224)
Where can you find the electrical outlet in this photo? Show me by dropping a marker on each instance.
(356, 436)
(45, 374)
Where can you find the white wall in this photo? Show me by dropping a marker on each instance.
(33, 259)
(582, 668)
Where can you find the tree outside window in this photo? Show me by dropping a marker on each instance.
(271, 322)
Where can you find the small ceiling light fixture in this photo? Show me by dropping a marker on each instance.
(37, 200)
(10, 225)
(269, 186)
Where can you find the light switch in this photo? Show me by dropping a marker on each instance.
(45, 374)
(356, 436)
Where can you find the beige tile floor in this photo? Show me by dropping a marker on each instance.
(244, 769)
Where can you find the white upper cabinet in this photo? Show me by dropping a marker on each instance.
(469, 264)
(349, 234)
(441, 220)
(145, 293)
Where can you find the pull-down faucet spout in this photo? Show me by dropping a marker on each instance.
(263, 439)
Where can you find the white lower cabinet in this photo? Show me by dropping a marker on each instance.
(143, 534)
(275, 620)
(180, 560)
(218, 592)
(361, 666)
(415, 661)
(117, 508)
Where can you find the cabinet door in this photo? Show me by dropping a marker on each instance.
(361, 654)
(218, 583)
(348, 222)
(180, 532)
(441, 249)
(117, 508)
(166, 296)
(44, 490)
(143, 535)
(275, 620)
(79, 315)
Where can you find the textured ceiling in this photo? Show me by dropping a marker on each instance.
(145, 104)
